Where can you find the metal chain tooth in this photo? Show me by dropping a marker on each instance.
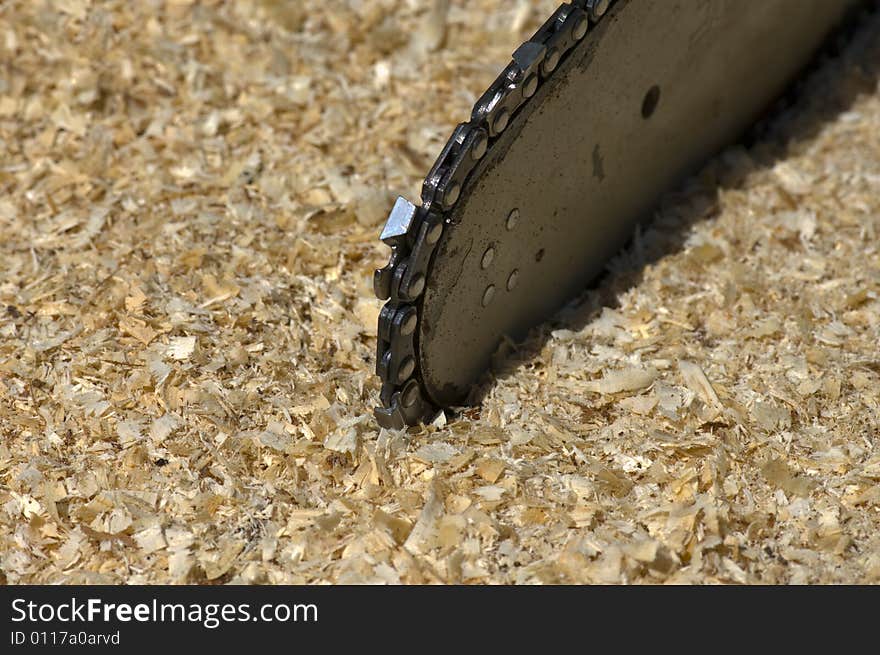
(567, 26)
(409, 278)
(528, 59)
(404, 407)
(413, 232)
(510, 90)
(383, 276)
(441, 166)
(444, 183)
(494, 107)
(386, 393)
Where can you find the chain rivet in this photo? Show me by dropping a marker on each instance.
(410, 395)
(530, 86)
(407, 368)
(580, 28)
(481, 145)
(417, 286)
(434, 234)
(452, 194)
(408, 326)
(551, 61)
(597, 8)
(502, 120)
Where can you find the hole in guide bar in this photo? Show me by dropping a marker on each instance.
(649, 104)
(539, 255)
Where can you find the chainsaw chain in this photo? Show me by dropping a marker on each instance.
(413, 232)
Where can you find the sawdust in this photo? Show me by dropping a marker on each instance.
(191, 193)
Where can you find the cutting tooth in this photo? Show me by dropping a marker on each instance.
(444, 183)
(400, 223)
(397, 233)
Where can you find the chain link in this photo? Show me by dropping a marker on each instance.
(413, 232)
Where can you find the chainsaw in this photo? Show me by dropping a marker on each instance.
(605, 108)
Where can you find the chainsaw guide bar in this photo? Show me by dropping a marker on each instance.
(606, 107)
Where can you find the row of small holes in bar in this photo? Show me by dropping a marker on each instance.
(489, 257)
(649, 106)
